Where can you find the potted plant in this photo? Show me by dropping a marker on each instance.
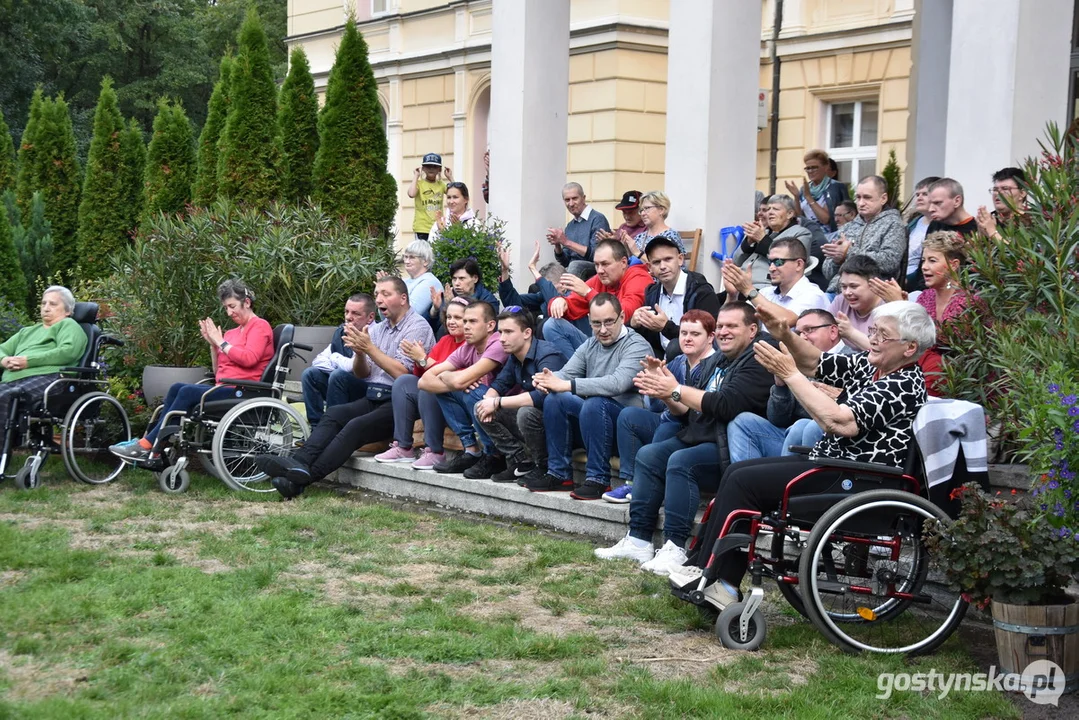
(1004, 551)
(481, 239)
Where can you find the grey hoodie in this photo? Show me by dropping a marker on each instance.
(755, 257)
(608, 371)
(884, 238)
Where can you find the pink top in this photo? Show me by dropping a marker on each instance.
(955, 307)
(467, 356)
(251, 351)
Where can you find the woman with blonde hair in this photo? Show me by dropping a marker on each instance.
(654, 209)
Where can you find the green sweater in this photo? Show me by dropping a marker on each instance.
(46, 349)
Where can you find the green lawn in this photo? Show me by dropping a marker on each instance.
(120, 601)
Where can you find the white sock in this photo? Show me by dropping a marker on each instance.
(637, 542)
(729, 588)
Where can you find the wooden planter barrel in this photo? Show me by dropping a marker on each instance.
(1026, 633)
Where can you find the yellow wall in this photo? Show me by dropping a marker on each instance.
(427, 117)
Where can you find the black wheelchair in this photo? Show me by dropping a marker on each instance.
(850, 558)
(89, 419)
(227, 434)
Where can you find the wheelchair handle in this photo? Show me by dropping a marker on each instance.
(301, 346)
(112, 340)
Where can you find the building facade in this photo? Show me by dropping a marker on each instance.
(665, 94)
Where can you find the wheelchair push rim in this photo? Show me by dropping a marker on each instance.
(93, 423)
(258, 426)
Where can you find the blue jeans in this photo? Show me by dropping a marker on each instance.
(804, 432)
(459, 410)
(564, 335)
(322, 389)
(638, 427)
(185, 397)
(671, 474)
(567, 417)
(750, 436)
(410, 403)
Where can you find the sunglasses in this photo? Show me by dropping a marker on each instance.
(780, 262)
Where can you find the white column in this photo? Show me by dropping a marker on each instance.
(394, 131)
(462, 162)
(1008, 78)
(931, 52)
(529, 105)
(713, 68)
(793, 18)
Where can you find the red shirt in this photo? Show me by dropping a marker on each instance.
(251, 351)
(629, 291)
(441, 350)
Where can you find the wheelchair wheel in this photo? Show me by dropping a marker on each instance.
(258, 426)
(29, 475)
(729, 631)
(93, 423)
(173, 480)
(869, 582)
(204, 439)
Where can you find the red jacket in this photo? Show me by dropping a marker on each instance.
(629, 291)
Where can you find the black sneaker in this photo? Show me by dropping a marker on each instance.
(457, 465)
(524, 468)
(588, 491)
(510, 474)
(548, 483)
(286, 487)
(534, 475)
(486, 467)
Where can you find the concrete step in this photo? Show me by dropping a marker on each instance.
(557, 510)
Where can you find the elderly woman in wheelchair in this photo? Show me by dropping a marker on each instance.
(240, 353)
(865, 545)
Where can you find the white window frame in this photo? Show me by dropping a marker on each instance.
(856, 153)
(387, 8)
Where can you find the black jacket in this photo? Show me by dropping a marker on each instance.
(744, 388)
(699, 296)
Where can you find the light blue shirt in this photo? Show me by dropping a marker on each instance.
(419, 292)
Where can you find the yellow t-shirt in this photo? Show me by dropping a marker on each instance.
(428, 204)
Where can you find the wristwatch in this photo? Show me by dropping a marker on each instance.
(676, 394)
(422, 362)
(752, 295)
(224, 344)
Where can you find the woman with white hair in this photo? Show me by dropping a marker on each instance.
(871, 423)
(32, 357)
(778, 220)
(421, 282)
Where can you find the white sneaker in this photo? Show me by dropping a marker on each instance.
(627, 550)
(719, 596)
(669, 559)
(685, 575)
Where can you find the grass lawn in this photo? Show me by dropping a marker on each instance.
(120, 601)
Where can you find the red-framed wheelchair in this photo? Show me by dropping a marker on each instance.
(848, 556)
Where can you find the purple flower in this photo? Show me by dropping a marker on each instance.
(1054, 388)
(1058, 510)
(1065, 532)
(1045, 506)
(1075, 426)
(1068, 475)
(1067, 494)
(1073, 411)
(1053, 484)
(1068, 400)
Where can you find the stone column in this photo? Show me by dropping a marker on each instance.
(462, 160)
(529, 105)
(713, 68)
(930, 54)
(394, 132)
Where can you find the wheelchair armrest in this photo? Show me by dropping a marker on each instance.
(79, 370)
(301, 346)
(800, 449)
(111, 340)
(874, 468)
(251, 384)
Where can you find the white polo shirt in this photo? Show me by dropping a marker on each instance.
(802, 296)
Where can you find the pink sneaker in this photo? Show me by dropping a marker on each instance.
(396, 454)
(428, 460)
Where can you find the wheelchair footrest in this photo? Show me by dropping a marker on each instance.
(732, 541)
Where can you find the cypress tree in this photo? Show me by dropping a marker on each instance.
(299, 128)
(170, 161)
(33, 243)
(204, 191)
(103, 218)
(133, 149)
(12, 281)
(350, 168)
(7, 157)
(250, 158)
(57, 178)
(25, 182)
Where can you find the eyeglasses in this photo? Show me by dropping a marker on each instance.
(605, 324)
(780, 262)
(806, 330)
(812, 168)
(874, 334)
(642, 208)
(455, 185)
(998, 189)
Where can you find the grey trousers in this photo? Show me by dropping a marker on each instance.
(409, 405)
(519, 435)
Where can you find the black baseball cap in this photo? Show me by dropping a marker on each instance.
(432, 159)
(667, 240)
(630, 201)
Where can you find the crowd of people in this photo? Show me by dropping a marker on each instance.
(822, 335)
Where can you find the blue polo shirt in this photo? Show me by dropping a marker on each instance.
(515, 374)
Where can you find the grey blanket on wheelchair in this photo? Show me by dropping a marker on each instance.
(944, 426)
